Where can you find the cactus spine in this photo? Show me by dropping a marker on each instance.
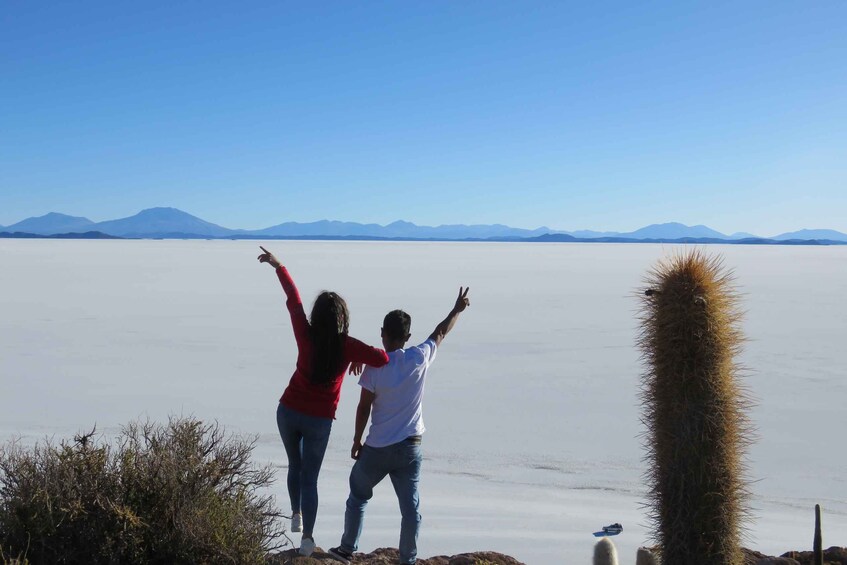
(694, 410)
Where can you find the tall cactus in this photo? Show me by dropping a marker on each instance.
(694, 410)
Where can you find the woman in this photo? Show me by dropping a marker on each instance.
(307, 407)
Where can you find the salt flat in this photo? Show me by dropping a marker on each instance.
(533, 437)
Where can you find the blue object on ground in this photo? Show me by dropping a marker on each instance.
(611, 530)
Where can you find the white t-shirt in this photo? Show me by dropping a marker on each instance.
(398, 389)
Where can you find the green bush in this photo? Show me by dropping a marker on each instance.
(183, 492)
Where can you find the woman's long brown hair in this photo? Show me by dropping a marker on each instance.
(328, 327)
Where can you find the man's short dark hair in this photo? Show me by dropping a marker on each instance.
(397, 324)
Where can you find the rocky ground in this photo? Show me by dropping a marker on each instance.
(831, 556)
(390, 556)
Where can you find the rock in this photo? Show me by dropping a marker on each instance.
(831, 556)
(391, 556)
(291, 557)
(755, 558)
(475, 558)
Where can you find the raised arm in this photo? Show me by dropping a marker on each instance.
(293, 301)
(442, 329)
(359, 353)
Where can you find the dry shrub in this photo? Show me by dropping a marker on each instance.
(13, 560)
(183, 492)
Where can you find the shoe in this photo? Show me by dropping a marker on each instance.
(296, 522)
(341, 554)
(307, 546)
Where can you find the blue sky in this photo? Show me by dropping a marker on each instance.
(572, 115)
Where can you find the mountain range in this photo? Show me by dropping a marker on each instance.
(173, 223)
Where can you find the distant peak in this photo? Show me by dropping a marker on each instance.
(58, 215)
(162, 211)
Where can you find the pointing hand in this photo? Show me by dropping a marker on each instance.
(268, 257)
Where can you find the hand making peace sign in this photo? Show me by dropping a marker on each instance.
(462, 301)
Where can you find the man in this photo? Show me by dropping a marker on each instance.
(391, 398)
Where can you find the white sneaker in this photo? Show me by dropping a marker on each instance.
(307, 546)
(296, 522)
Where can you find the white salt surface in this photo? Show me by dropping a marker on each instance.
(533, 437)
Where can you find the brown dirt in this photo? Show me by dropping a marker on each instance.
(390, 556)
(831, 556)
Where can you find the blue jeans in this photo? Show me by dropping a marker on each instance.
(402, 462)
(305, 439)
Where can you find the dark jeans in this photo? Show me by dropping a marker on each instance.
(305, 439)
(402, 462)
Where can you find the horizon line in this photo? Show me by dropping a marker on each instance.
(402, 221)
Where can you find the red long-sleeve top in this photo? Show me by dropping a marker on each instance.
(301, 394)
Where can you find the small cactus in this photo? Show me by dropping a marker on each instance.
(817, 544)
(605, 553)
(694, 410)
(646, 557)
